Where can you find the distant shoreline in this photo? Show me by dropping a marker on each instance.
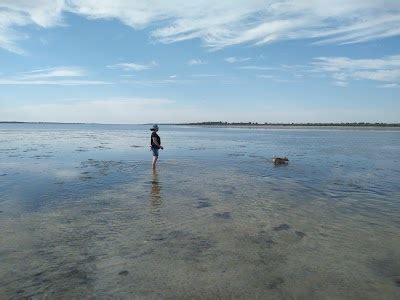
(263, 125)
(239, 124)
(61, 123)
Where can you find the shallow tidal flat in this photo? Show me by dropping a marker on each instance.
(82, 215)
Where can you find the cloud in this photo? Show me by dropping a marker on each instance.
(51, 76)
(133, 66)
(162, 81)
(55, 72)
(379, 75)
(195, 62)
(15, 14)
(266, 76)
(341, 83)
(390, 86)
(52, 82)
(218, 24)
(204, 75)
(260, 68)
(274, 78)
(336, 64)
(343, 69)
(233, 59)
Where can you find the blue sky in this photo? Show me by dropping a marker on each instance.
(178, 61)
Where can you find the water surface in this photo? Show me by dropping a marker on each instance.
(83, 215)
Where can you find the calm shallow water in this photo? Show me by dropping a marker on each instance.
(83, 215)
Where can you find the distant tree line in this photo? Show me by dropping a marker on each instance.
(350, 124)
(220, 123)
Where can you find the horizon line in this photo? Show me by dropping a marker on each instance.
(213, 123)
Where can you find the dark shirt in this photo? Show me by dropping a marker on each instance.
(155, 135)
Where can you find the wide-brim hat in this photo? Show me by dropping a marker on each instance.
(155, 127)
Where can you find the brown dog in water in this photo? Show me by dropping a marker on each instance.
(280, 161)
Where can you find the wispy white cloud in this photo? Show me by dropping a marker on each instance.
(337, 64)
(259, 68)
(17, 13)
(344, 69)
(217, 23)
(390, 86)
(196, 62)
(51, 76)
(341, 83)
(204, 75)
(275, 78)
(154, 82)
(233, 59)
(268, 76)
(133, 66)
(52, 82)
(55, 73)
(379, 75)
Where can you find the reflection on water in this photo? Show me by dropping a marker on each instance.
(155, 197)
(83, 216)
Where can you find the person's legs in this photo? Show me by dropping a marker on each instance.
(155, 157)
(154, 161)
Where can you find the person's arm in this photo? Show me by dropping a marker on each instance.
(156, 143)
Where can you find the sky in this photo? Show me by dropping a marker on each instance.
(157, 61)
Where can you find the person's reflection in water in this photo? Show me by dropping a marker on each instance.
(155, 198)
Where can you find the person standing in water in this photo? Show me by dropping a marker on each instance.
(155, 144)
